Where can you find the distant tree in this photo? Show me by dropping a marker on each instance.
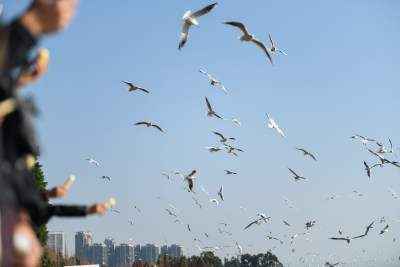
(260, 260)
(137, 263)
(160, 261)
(166, 260)
(147, 264)
(233, 262)
(38, 177)
(208, 256)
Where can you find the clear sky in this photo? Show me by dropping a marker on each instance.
(341, 77)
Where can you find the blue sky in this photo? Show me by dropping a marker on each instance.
(340, 78)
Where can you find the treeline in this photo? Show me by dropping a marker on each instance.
(208, 259)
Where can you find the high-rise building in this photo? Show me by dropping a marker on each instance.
(56, 242)
(138, 253)
(151, 252)
(111, 246)
(99, 254)
(175, 251)
(164, 250)
(83, 243)
(124, 255)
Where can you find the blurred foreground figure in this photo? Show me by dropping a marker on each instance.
(20, 204)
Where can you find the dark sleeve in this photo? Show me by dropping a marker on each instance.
(67, 210)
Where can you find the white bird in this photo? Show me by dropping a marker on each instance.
(106, 177)
(249, 37)
(189, 19)
(197, 202)
(296, 176)
(214, 149)
(93, 161)
(229, 172)
(348, 239)
(131, 223)
(148, 124)
(360, 194)
(382, 158)
(305, 152)
(258, 221)
(136, 207)
(214, 200)
(384, 230)
(272, 124)
(223, 138)
(391, 151)
(363, 139)
(236, 121)
(171, 213)
(273, 49)
(204, 191)
(231, 149)
(168, 177)
(393, 193)
(214, 81)
(264, 217)
(368, 169)
(190, 178)
(221, 193)
(239, 247)
(211, 112)
(292, 238)
(199, 248)
(132, 87)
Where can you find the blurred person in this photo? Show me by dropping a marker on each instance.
(20, 203)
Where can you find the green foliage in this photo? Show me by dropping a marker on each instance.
(38, 177)
(209, 257)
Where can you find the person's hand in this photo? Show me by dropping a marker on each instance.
(98, 208)
(59, 191)
(47, 16)
(34, 69)
(30, 251)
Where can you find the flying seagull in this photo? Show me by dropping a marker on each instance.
(348, 239)
(197, 202)
(236, 121)
(272, 124)
(170, 212)
(93, 161)
(189, 19)
(214, 81)
(309, 224)
(363, 139)
(132, 87)
(229, 172)
(249, 37)
(273, 49)
(384, 229)
(258, 221)
(168, 177)
(214, 200)
(393, 193)
(214, 149)
(211, 112)
(391, 151)
(148, 124)
(136, 207)
(223, 138)
(296, 176)
(106, 177)
(221, 193)
(204, 191)
(369, 227)
(360, 194)
(287, 224)
(305, 152)
(190, 178)
(368, 169)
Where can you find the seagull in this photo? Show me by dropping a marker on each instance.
(188, 226)
(360, 194)
(225, 224)
(131, 223)
(221, 193)
(363, 139)
(106, 177)
(170, 212)
(249, 37)
(287, 224)
(236, 121)
(168, 177)
(265, 218)
(231, 149)
(391, 151)
(382, 149)
(348, 239)
(368, 169)
(136, 207)
(242, 208)
(213, 81)
(214, 149)
(214, 200)
(189, 19)
(258, 221)
(393, 193)
(197, 202)
(148, 124)
(204, 191)
(273, 49)
(274, 125)
(198, 248)
(369, 227)
(211, 112)
(332, 197)
(172, 207)
(309, 224)
(239, 247)
(229, 172)
(292, 238)
(296, 176)
(111, 208)
(132, 87)
(179, 221)
(206, 235)
(384, 229)
(306, 153)
(223, 139)
(93, 161)
(190, 178)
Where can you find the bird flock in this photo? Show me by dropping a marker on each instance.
(379, 157)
